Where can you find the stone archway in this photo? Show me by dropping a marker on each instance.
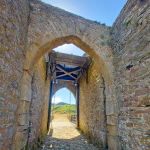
(51, 27)
(61, 84)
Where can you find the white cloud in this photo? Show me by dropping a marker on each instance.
(69, 49)
(57, 100)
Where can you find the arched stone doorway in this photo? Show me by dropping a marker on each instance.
(61, 84)
(51, 27)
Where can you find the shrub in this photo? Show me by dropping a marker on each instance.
(109, 42)
(137, 24)
(102, 43)
(102, 36)
(103, 24)
(92, 62)
(110, 32)
(97, 22)
(128, 21)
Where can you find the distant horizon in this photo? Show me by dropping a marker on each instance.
(62, 102)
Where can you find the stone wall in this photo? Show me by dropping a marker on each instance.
(13, 40)
(131, 46)
(92, 107)
(127, 61)
(39, 104)
(51, 27)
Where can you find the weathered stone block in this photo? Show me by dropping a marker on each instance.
(1, 61)
(17, 94)
(1, 90)
(9, 133)
(2, 115)
(23, 120)
(1, 138)
(110, 107)
(14, 83)
(112, 130)
(113, 143)
(11, 107)
(23, 107)
(142, 45)
(26, 65)
(27, 78)
(18, 136)
(26, 93)
(24, 139)
(9, 88)
(112, 120)
(1, 105)
(129, 124)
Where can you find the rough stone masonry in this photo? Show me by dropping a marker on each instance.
(114, 107)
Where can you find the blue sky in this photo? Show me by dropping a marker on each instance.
(105, 11)
(63, 95)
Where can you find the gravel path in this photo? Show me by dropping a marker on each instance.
(64, 136)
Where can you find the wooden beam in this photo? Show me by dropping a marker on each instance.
(49, 108)
(86, 66)
(65, 72)
(69, 57)
(61, 75)
(53, 62)
(77, 104)
(80, 76)
(73, 63)
(66, 78)
(68, 73)
(61, 58)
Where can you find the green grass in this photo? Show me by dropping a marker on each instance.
(64, 109)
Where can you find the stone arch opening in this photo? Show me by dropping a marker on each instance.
(35, 51)
(105, 71)
(42, 41)
(68, 85)
(67, 100)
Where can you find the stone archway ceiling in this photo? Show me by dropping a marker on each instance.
(68, 67)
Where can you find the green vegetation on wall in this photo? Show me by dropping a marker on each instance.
(137, 24)
(102, 36)
(128, 21)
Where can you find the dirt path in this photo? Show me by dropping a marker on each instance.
(64, 136)
(60, 121)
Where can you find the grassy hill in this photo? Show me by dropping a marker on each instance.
(64, 109)
(62, 103)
